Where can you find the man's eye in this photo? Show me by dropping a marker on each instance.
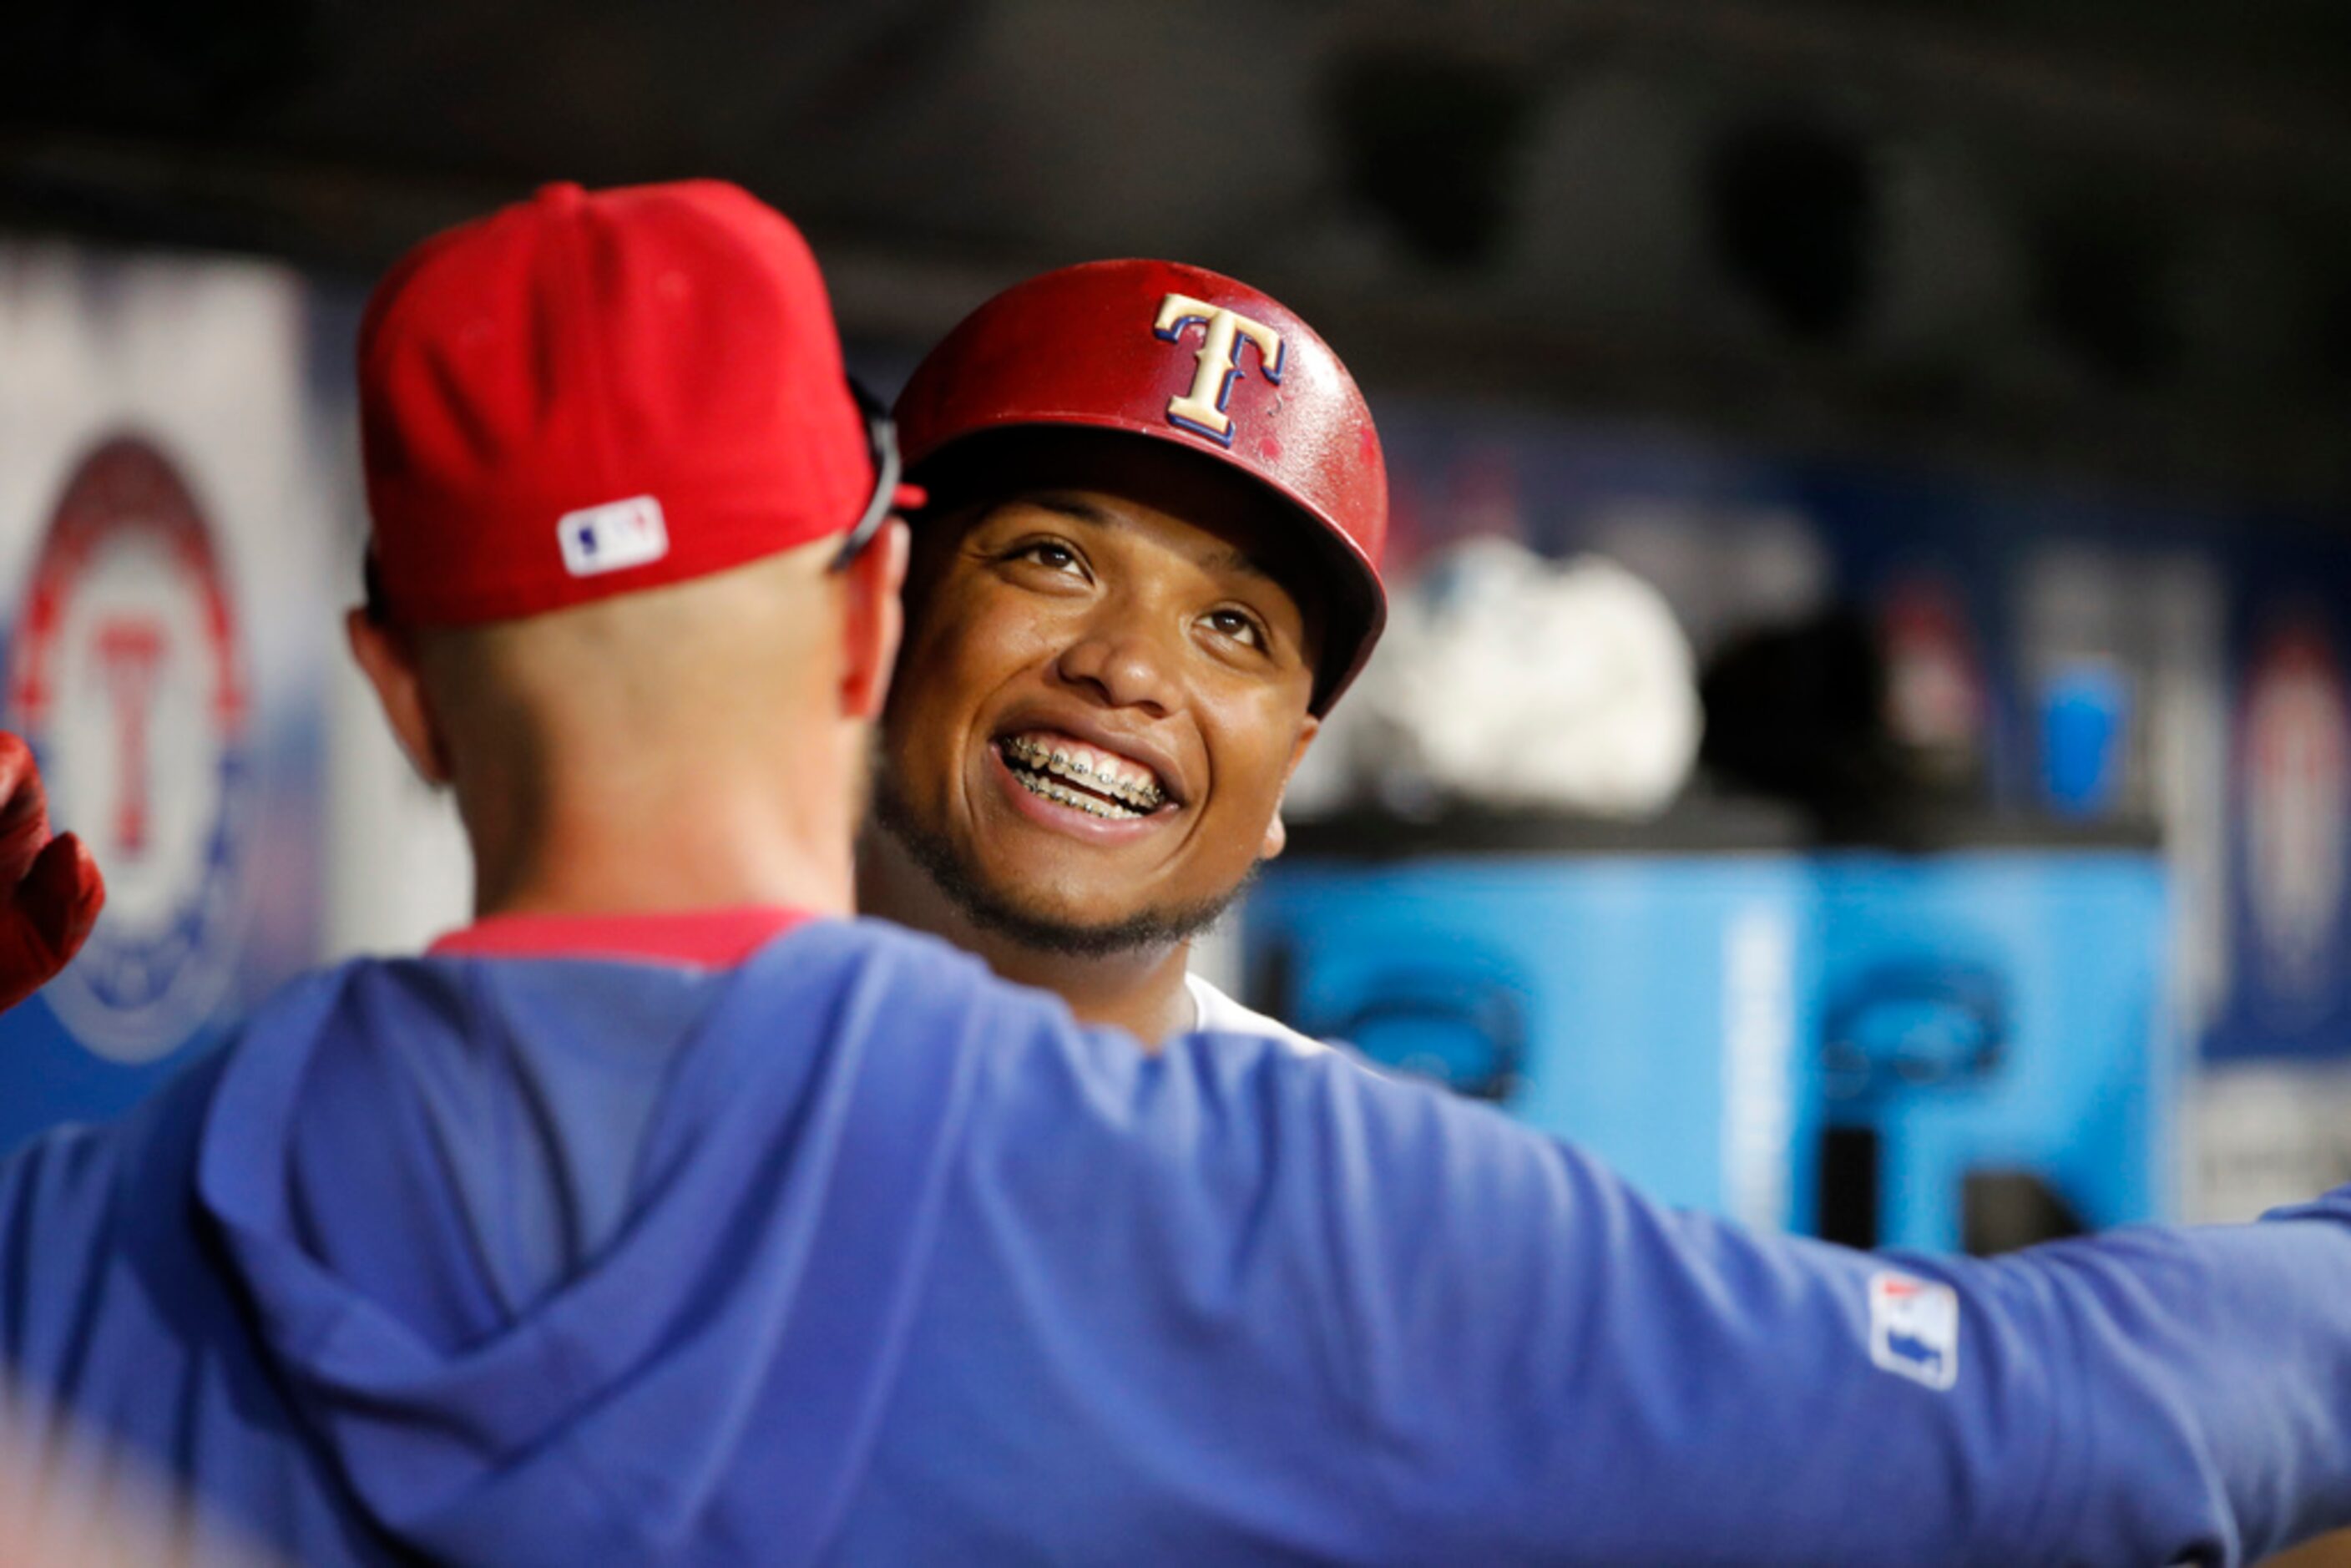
(1236, 625)
(1046, 554)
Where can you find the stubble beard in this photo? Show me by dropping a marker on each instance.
(998, 912)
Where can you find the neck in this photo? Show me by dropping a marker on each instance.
(1141, 991)
(694, 747)
(1138, 990)
(640, 850)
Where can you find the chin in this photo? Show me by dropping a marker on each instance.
(1049, 906)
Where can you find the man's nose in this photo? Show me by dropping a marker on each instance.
(1122, 664)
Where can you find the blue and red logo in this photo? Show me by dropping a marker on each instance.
(1913, 1328)
(127, 675)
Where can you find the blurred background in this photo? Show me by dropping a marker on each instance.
(1913, 803)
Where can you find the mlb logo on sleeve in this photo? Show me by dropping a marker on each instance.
(613, 536)
(1913, 1328)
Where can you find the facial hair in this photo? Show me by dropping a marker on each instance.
(995, 910)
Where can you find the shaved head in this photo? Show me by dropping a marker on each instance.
(715, 666)
(622, 739)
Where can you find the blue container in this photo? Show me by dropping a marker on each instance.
(1999, 1014)
(1641, 994)
(1738, 1022)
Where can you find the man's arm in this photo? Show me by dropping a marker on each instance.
(1363, 1321)
(1589, 1371)
(50, 892)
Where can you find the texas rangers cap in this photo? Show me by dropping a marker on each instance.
(586, 394)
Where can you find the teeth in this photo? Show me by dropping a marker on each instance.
(1068, 797)
(1141, 795)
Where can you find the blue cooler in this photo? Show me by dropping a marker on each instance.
(2000, 1059)
(1639, 991)
(1964, 1043)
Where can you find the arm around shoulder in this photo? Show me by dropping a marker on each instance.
(1595, 1377)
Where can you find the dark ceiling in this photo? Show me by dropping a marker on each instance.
(2098, 234)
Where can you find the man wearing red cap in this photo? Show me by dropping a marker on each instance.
(1149, 568)
(668, 1216)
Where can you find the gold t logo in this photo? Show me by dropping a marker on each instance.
(1222, 332)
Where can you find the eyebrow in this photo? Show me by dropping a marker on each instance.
(1077, 509)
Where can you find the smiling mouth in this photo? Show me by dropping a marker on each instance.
(1081, 777)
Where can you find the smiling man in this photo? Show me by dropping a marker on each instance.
(1149, 566)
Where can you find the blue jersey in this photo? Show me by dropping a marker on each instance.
(850, 1254)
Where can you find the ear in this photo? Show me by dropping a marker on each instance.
(384, 656)
(874, 621)
(1277, 833)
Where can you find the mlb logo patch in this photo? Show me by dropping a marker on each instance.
(613, 536)
(1913, 1328)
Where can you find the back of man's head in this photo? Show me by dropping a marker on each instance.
(611, 457)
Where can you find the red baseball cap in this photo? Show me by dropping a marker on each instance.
(586, 394)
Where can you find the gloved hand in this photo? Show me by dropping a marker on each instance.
(50, 892)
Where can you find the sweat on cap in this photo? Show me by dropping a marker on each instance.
(586, 394)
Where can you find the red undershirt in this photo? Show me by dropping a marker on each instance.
(714, 938)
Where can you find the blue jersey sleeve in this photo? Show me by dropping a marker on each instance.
(1660, 1386)
(1419, 1333)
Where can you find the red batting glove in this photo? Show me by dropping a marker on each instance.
(50, 892)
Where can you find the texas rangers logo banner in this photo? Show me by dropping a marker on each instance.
(167, 526)
(127, 675)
